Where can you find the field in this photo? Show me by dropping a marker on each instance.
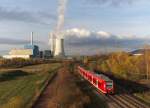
(21, 86)
(67, 90)
(28, 87)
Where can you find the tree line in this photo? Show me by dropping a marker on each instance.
(121, 64)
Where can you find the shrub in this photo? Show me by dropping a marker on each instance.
(14, 102)
(123, 64)
(19, 62)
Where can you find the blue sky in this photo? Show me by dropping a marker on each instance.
(124, 19)
(19, 17)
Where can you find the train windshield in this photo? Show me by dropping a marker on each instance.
(109, 84)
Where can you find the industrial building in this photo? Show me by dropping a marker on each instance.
(32, 51)
(33, 48)
(57, 45)
(19, 53)
(29, 51)
(46, 54)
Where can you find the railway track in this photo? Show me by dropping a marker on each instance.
(122, 100)
(134, 100)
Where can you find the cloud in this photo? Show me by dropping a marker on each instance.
(12, 41)
(103, 34)
(78, 32)
(83, 33)
(25, 16)
(6, 41)
(112, 2)
(89, 41)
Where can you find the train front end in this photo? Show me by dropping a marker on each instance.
(109, 87)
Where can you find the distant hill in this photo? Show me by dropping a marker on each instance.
(139, 51)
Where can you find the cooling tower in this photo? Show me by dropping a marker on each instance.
(59, 48)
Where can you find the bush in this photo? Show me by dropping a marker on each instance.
(123, 65)
(19, 62)
(14, 102)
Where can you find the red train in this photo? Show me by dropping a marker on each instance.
(100, 81)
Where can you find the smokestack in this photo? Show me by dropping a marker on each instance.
(31, 38)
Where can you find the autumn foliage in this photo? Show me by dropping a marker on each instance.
(121, 64)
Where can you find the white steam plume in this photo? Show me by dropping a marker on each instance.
(61, 16)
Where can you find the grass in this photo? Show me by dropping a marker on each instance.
(19, 88)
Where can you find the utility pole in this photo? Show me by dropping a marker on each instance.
(147, 61)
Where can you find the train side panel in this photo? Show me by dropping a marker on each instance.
(102, 85)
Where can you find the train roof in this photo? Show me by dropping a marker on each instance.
(103, 77)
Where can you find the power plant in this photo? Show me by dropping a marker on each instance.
(56, 41)
(56, 37)
(57, 46)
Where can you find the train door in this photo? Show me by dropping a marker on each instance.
(97, 83)
(90, 78)
(86, 75)
(94, 81)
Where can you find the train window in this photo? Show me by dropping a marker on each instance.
(109, 84)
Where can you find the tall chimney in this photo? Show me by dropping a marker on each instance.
(31, 38)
